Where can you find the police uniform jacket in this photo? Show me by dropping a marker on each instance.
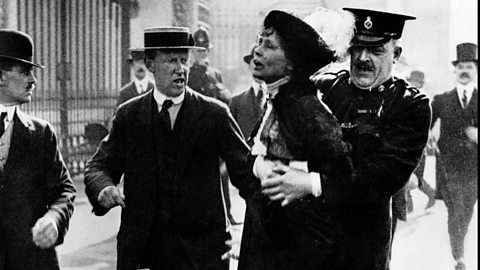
(205, 80)
(246, 108)
(388, 129)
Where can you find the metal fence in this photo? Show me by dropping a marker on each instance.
(79, 42)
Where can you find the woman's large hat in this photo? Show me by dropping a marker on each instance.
(170, 37)
(466, 52)
(17, 46)
(302, 44)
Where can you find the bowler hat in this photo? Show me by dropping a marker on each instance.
(18, 46)
(374, 28)
(417, 76)
(247, 58)
(169, 37)
(135, 54)
(302, 44)
(466, 52)
(202, 38)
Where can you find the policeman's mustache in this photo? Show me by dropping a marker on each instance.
(364, 66)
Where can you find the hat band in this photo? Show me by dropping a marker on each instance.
(168, 39)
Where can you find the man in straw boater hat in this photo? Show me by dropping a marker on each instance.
(458, 159)
(387, 125)
(36, 191)
(167, 145)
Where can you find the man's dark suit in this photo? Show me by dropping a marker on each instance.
(34, 180)
(130, 91)
(246, 109)
(171, 199)
(459, 161)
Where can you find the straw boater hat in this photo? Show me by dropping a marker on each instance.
(170, 37)
(18, 46)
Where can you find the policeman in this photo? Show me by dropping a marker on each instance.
(204, 78)
(386, 123)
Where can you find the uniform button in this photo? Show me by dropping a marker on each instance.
(381, 88)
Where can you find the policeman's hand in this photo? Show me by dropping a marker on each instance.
(472, 134)
(289, 185)
(45, 232)
(110, 197)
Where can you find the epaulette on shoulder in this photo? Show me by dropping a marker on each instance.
(327, 78)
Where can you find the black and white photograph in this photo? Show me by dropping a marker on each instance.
(238, 135)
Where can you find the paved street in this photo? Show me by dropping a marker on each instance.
(421, 243)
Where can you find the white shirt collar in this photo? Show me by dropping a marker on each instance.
(143, 83)
(160, 98)
(256, 87)
(470, 87)
(10, 111)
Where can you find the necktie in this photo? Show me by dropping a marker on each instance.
(2, 122)
(165, 116)
(464, 98)
(260, 97)
(141, 88)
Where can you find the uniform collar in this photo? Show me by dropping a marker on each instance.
(382, 87)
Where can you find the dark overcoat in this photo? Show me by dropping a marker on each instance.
(306, 234)
(388, 129)
(35, 181)
(204, 130)
(246, 108)
(130, 91)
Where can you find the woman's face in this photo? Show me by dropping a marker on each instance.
(269, 60)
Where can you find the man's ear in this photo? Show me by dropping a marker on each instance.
(396, 53)
(149, 64)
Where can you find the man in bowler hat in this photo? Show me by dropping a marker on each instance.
(458, 160)
(247, 106)
(140, 83)
(167, 144)
(36, 191)
(387, 125)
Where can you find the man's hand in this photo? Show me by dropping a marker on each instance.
(45, 232)
(289, 185)
(263, 168)
(472, 134)
(110, 197)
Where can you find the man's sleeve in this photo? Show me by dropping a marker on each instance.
(385, 170)
(106, 166)
(61, 189)
(235, 152)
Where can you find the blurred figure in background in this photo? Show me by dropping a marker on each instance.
(247, 106)
(141, 82)
(208, 81)
(36, 191)
(417, 80)
(458, 160)
(204, 78)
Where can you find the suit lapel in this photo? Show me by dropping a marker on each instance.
(20, 144)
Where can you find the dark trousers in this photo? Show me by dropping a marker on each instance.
(460, 199)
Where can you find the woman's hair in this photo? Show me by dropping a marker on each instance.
(303, 46)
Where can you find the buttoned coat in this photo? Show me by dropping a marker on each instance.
(130, 91)
(206, 131)
(35, 181)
